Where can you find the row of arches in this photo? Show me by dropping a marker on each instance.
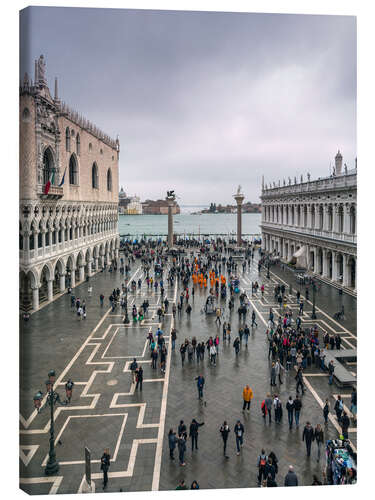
(337, 217)
(40, 284)
(73, 176)
(337, 266)
(50, 231)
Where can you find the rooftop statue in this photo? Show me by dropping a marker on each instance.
(239, 190)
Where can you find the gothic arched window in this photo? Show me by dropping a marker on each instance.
(47, 165)
(95, 177)
(109, 180)
(73, 170)
(67, 139)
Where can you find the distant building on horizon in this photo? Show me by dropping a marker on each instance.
(129, 205)
(159, 207)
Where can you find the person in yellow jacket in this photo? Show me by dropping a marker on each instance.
(247, 397)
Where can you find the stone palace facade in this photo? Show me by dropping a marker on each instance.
(71, 232)
(320, 215)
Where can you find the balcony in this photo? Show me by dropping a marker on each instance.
(317, 233)
(54, 193)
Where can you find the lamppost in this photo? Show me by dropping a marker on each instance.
(313, 313)
(52, 400)
(126, 319)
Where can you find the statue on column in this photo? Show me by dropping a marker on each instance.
(41, 69)
(239, 190)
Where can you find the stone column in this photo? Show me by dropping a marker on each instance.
(89, 267)
(308, 225)
(81, 273)
(334, 266)
(62, 282)
(308, 260)
(35, 298)
(49, 290)
(290, 255)
(239, 200)
(345, 274)
(325, 263)
(346, 228)
(72, 278)
(170, 223)
(96, 263)
(335, 213)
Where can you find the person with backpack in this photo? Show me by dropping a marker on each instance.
(224, 431)
(261, 464)
(133, 368)
(308, 437)
(270, 469)
(239, 432)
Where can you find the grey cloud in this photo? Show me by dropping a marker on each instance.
(205, 101)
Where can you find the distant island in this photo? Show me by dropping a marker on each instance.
(247, 208)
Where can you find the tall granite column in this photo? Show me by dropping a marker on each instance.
(239, 197)
(170, 225)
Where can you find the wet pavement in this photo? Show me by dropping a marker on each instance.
(106, 411)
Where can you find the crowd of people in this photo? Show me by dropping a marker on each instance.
(292, 347)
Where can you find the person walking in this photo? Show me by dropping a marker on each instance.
(133, 368)
(273, 375)
(326, 411)
(224, 431)
(261, 464)
(173, 337)
(308, 437)
(105, 463)
(290, 408)
(278, 368)
(319, 439)
(297, 409)
(253, 322)
(331, 369)
(213, 354)
(299, 379)
(345, 422)
(291, 478)
(339, 407)
(239, 432)
(278, 409)
(200, 384)
(236, 345)
(172, 441)
(181, 443)
(182, 353)
(268, 404)
(193, 433)
(139, 378)
(247, 395)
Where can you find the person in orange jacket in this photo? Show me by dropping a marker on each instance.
(247, 397)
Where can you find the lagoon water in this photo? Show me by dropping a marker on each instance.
(186, 223)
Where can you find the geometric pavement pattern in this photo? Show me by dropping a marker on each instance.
(106, 411)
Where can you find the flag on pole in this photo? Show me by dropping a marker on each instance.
(49, 182)
(63, 178)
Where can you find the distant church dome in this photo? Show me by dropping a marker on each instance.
(122, 193)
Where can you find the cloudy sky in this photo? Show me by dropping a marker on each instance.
(201, 101)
